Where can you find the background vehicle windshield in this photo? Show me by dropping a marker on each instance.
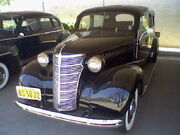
(107, 21)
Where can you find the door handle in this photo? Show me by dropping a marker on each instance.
(21, 35)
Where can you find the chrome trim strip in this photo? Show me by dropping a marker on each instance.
(59, 63)
(37, 34)
(68, 91)
(68, 99)
(5, 53)
(71, 118)
(68, 82)
(70, 56)
(70, 74)
(71, 65)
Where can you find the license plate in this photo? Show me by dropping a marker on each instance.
(28, 93)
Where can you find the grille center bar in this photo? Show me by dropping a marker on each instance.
(67, 70)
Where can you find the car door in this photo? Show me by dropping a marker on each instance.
(145, 39)
(50, 32)
(28, 40)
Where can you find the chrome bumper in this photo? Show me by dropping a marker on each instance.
(70, 118)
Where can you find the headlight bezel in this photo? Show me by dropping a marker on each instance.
(95, 64)
(43, 59)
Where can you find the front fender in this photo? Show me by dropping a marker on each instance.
(34, 75)
(125, 77)
(114, 88)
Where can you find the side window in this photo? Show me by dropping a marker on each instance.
(125, 18)
(56, 23)
(98, 21)
(46, 24)
(144, 23)
(7, 25)
(84, 23)
(30, 25)
(124, 21)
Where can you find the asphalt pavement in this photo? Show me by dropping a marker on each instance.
(158, 110)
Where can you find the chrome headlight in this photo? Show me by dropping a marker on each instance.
(43, 59)
(95, 64)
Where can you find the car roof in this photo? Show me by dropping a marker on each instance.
(25, 14)
(139, 10)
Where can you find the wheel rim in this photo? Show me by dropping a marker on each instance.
(2, 75)
(131, 112)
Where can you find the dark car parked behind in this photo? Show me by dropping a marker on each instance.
(27, 34)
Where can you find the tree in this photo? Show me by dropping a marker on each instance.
(5, 2)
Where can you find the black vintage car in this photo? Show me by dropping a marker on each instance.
(26, 34)
(95, 76)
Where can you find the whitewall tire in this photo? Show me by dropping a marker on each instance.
(131, 113)
(4, 75)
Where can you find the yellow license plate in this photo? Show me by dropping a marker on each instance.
(28, 93)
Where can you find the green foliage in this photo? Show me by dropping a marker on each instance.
(5, 2)
(69, 26)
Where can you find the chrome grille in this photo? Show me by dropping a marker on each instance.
(66, 73)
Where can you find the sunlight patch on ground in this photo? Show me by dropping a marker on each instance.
(165, 49)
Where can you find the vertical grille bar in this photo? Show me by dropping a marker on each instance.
(67, 70)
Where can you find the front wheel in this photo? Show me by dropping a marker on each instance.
(131, 113)
(4, 75)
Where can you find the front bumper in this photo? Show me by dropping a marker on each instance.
(71, 118)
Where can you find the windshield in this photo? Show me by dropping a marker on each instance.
(107, 21)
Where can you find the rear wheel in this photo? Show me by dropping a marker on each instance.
(131, 113)
(4, 75)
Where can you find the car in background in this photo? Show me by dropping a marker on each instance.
(95, 76)
(23, 35)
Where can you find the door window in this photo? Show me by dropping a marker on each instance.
(46, 24)
(56, 23)
(144, 23)
(30, 25)
(85, 23)
(124, 21)
(7, 25)
(98, 21)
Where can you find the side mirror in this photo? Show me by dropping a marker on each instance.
(150, 31)
(21, 35)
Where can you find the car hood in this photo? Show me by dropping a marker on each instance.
(94, 41)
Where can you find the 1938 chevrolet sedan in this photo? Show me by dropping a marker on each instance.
(95, 76)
